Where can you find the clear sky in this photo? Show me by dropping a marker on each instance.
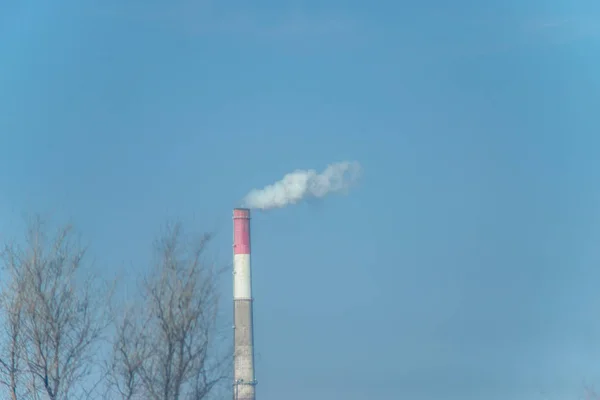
(466, 263)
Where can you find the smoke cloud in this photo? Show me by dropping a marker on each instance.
(303, 184)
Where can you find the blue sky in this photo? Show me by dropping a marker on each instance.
(465, 265)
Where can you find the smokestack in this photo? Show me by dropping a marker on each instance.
(244, 382)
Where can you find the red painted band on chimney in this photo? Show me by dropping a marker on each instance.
(241, 231)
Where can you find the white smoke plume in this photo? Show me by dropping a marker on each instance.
(303, 184)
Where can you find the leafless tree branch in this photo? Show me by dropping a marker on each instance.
(163, 349)
(55, 320)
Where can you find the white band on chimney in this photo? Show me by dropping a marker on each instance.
(242, 280)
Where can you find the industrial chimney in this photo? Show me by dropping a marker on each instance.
(243, 368)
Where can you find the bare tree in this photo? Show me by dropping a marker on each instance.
(56, 318)
(11, 303)
(129, 352)
(165, 347)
